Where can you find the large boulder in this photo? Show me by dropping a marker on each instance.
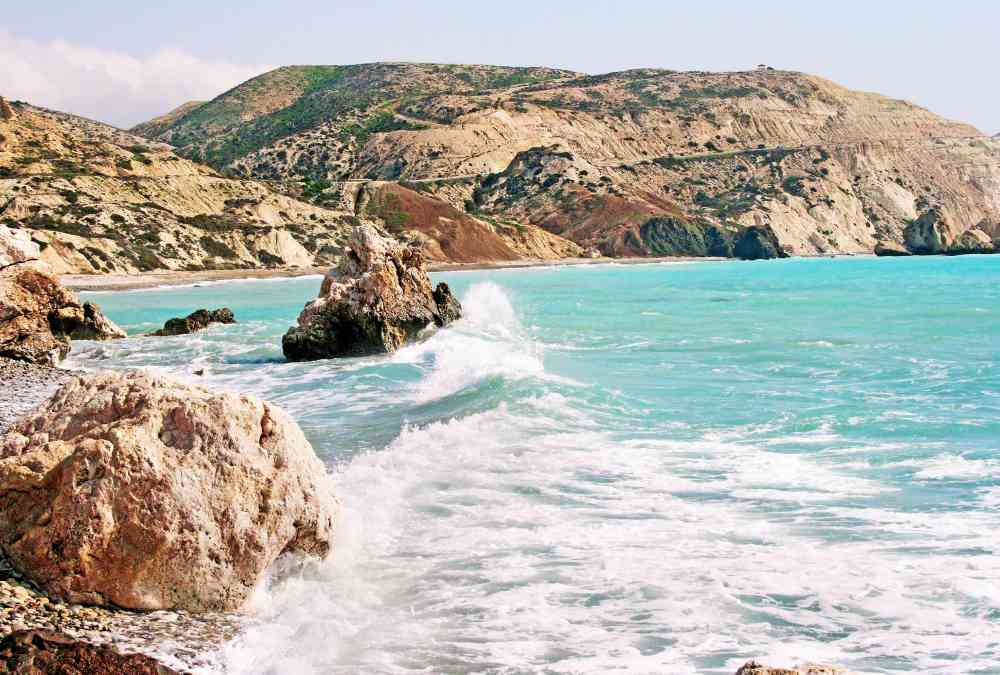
(197, 320)
(131, 490)
(927, 235)
(42, 652)
(39, 317)
(377, 299)
(972, 241)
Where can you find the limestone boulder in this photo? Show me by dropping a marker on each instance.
(375, 301)
(195, 321)
(132, 490)
(39, 317)
(42, 652)
(927, 235)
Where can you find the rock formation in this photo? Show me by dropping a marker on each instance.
(195, 321)
(39, 317)
(891, 249)
(131, 490)
(42, 652)
(16, 247)
(377, 299)
(927, 235)
(972, 241)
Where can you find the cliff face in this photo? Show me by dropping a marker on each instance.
(97, 199)
(598, 158)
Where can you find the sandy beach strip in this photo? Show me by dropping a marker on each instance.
(145, 280)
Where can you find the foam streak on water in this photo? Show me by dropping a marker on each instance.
(643, 470)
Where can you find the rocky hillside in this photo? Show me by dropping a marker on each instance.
(641, 162)
(98, 199)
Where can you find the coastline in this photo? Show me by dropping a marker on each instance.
(178, 638)
(147, 280)
(166, 278)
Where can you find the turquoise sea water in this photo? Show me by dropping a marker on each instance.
(641, 469)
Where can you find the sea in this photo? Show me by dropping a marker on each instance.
(654, 468)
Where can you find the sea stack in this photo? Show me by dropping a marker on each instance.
(374, 302)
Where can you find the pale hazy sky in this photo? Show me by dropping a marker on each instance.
(122, 61)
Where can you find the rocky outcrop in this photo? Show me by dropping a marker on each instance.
(670, 236)
(16, 247)
(891, 249)
(754, 668)
(195, 321)
(39, 317)
(972, 241)
(42, 652)
(131, 490)
(377, 299)
(927, 235)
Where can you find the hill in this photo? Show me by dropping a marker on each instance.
(633, 163)
(99, 200)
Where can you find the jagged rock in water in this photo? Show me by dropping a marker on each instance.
(132, 490)
(39, 317)
(198, 320)
(891, 249)
(754, 668)
(43, 652)
(972, 241)
(377, 299)
(927, 235)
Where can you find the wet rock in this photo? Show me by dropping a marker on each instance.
(42, 652)
(131, 490)
(377, 299)
(95, 326)
(39, 317)
(198, 320)
(449, 309)
(754, 668)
